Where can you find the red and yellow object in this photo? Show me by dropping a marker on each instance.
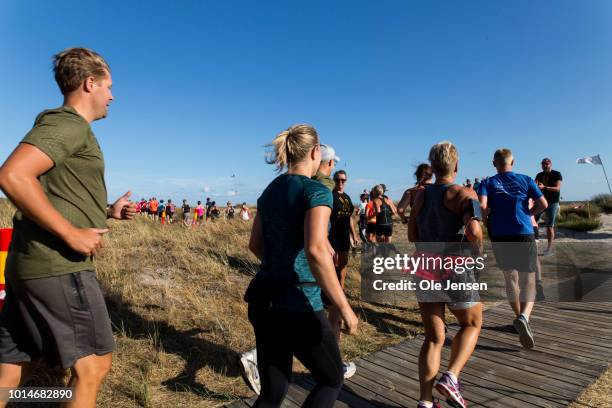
(5, 241)
(163, 217)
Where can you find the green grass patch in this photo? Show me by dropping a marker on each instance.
(578, 223)
(587, 210)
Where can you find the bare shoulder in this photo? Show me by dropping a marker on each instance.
(457, 196)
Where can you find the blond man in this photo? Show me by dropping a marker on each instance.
(54, 307)
(505, 198)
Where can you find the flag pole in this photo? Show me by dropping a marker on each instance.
(605, 175)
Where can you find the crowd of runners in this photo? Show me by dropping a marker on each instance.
(302, 233)
(159, 211)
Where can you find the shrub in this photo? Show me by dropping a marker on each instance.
(604, 201)
(578, 223)
(589, 210)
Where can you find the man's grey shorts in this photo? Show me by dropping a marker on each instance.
(59, 319)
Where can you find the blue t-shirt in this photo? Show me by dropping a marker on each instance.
(281, 208)
(508, 199)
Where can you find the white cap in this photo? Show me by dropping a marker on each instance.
(328, 153)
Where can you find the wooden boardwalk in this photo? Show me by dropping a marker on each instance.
(573, 347)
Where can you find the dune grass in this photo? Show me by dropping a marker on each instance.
(583, 217)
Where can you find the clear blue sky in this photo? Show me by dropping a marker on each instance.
(201, 86)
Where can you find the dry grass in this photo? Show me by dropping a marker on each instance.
(599, 394)
(175, 298)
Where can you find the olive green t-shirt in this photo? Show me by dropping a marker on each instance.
(74, 186)
(325, 180)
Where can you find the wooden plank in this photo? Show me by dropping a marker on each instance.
(501, 354)
(588, 326)
(546, 387)
(475, 395)
(541, 326)
(477, 380)
(545, 345)
(576, 310)
(347, 397)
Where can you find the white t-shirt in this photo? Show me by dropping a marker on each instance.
(244, 214)
(362, 208)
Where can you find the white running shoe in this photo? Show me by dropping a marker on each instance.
(548, 252)
(249, 371)
(349, 368)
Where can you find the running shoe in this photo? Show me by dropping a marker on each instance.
(524, 331)
(348, 368)
(548, 252)
(451, 390)
(540, 292)
(249, 371)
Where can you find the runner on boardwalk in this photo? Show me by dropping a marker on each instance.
(505, 198)
(341, 232)
(54, 308)
(439, 213)
(549, 182)
(285, 306)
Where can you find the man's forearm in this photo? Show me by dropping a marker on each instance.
(27, 195)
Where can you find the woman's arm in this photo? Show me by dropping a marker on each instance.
(413, 231)
(256, 241)
(391, 205)
(321, 264)
(402, 205)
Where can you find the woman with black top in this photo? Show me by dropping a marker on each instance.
(384, 209)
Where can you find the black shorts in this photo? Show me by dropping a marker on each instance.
(59, 319)
(515, 252)
(371, 228)
(384, 230)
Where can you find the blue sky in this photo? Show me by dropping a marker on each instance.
(200, 86)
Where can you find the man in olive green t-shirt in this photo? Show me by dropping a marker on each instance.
(54, 308)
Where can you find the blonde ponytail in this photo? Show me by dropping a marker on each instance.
(292, 145)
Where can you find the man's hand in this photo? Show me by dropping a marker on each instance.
(86, 241)
(540, 186)
(123, 208)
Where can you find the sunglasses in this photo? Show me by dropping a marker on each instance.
(339, 180)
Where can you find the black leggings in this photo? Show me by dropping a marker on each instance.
(280, 335)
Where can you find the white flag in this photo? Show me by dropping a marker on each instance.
(589, 160)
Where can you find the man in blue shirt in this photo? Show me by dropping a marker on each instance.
(505, 199)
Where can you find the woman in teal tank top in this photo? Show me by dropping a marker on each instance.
(289, 236)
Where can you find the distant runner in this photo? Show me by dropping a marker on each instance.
(549, 182)
(505, 197)
(384, 209)
(423, 175)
